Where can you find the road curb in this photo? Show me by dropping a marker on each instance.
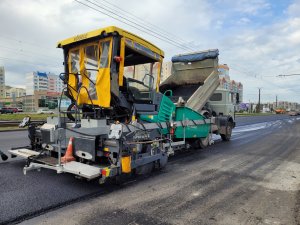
(12, 130)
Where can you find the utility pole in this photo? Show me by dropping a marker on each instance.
(276, 101)
(258, 105)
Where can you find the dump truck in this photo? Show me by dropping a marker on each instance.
(122, 119)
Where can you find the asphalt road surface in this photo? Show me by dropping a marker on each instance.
(253, 179)
(246, 120)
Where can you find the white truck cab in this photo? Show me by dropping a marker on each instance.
(223, 102)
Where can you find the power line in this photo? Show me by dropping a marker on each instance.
(112, 11)
(22, 52)
(288, 75)
(23, 61)
(144, 21)
(21, 45)
(247, 74)
(25, 42)
(139, 27)
(263, 69)
(143, 27)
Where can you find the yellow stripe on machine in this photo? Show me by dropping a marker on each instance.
(108, 30)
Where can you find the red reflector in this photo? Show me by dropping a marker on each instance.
(118, 59)
(103, 172)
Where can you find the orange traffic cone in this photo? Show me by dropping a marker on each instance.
(68, 157)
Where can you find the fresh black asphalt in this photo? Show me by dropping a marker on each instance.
(23, 197)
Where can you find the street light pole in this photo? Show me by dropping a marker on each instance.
(258, 105)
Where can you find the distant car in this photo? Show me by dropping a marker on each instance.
(293, 113)
(20, 109)
(6, 110)
(15, 110)
(280, 111)
(45, 111)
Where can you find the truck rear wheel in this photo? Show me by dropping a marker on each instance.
(203, 142)
(227, 135)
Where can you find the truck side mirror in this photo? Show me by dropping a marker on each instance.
(237, 98)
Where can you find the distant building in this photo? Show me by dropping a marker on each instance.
(13, 97)
(272, 106)
(287, 105)
(227, 84)
(55, 84)
(40, 99)
(224, 71)
(13, 92)
(41, 81)
(2, 82)
(36, 81)
(166, 70)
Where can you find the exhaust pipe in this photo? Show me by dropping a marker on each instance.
(3, 156)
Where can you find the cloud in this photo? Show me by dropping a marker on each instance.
(243, 21)
(245, 7)
(294, 8)
(252, 41)
(267, 50)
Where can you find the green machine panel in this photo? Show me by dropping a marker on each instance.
(198, 131)
(168, 112)
(165, 112)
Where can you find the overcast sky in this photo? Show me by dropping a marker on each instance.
(258, 39)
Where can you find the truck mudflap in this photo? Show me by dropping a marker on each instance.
(73, 167)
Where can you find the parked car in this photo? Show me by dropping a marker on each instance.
(20, 109)
(293, 113)
(45, 111)
(6, 110)
(15, 110)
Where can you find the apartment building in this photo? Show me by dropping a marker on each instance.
(227, 84)
(41, 81)
(55, 84)
(36, 81)
(14, 92)
(2, 82)
(166, 70)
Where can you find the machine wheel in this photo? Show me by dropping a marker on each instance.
(227, 136)
(145, 169)
(203, 142)
(163, 161)
(117, 180)
(69, 114)
(206, 115)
